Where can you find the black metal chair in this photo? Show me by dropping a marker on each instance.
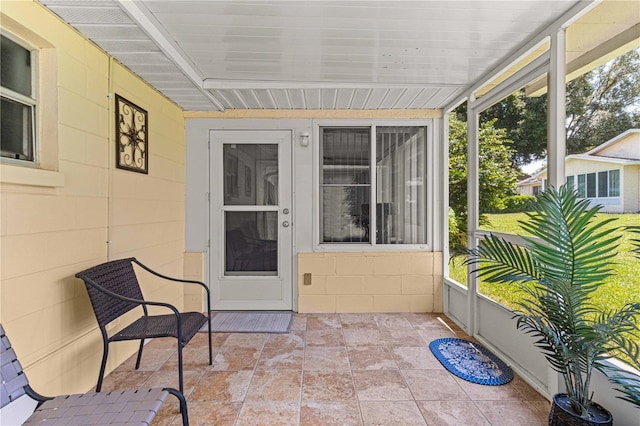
(114, 290)
(131, 407)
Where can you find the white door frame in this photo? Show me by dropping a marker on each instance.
(221, 285)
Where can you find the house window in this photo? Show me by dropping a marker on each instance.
(614, 183)
(603, 184)
(591, 185)
(571, 181)
(349, 183)
(598, 185)
(18, 101)
(582, 186)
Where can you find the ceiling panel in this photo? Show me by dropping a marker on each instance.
(208, 55)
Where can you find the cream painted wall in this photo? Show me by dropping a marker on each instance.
(370, 282)
(56, 224)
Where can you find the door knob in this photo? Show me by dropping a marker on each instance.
(285, 224)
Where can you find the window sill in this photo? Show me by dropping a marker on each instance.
(30, 176)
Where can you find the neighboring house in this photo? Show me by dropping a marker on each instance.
(608, 175)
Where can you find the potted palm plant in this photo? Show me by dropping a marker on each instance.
(557, 270)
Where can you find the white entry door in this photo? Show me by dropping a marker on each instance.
(251, 237)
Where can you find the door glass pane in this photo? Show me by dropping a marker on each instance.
(401, 191)
(250, 174)
(251, 243)
(345, 214)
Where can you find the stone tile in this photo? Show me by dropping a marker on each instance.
(193, 358)
(277, 385)
(152, 360)
(525, 390)
(323, 321)
(118, 380)
(236, 358)
(162, 343)
(381, 385)
(370, 358)
(358, 322)
(445, 413)
(393, 322)
(408, 337)
(245, 340)
(325, 337)
(478, 392)
(390, 413)
(327, 386)
(255, 413)
(512, 413)
(292, 340)
(433, 385)
(280, 358)
(222, 386)
(362, 337)
(432, 333)
(207, 413)
(299, 322)
(163, 379)
(200, 340)
(330, 413)
(326, 358)
(415, 358)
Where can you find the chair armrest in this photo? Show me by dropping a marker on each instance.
(157, 274)
(200, 283)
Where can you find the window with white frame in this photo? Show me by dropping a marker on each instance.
(396, 183)
(604, 184)
(18, 101)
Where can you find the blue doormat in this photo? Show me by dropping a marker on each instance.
(471, 361)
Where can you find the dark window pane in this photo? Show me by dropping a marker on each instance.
(345, 214)
(591, 185)
(15, 67)
(346, 156)
(603, 184)
(251, 243)
(16, 132)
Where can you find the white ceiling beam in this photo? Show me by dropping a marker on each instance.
(220, 84)
(574, 13)
(150, 25)
(599, 55)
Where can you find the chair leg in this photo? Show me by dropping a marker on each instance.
(210, 344)
(180, 381)
(103, 364)
(139, 354)
(183, 405)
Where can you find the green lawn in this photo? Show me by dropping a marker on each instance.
(623, 287)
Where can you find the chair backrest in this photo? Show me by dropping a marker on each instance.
(12, 378)
(118, 277)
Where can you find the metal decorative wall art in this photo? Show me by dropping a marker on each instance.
(131, 136)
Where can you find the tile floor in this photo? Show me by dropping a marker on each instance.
(331, 369)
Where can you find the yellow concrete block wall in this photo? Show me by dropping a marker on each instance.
(402, 281)
(50, 232)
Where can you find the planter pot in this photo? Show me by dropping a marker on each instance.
(562, 415)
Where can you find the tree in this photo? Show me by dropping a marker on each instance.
(497, 177)
(601, 104)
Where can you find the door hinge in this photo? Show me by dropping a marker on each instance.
(208, 196)
(209, 144)
(208, 243)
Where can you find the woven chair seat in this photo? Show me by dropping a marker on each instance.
(126, 407)
(162, 326)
